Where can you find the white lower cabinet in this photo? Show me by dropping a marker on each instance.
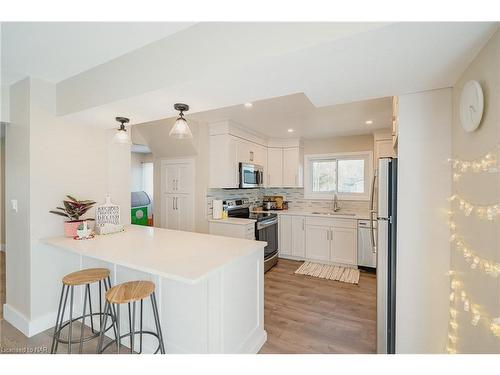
(318, 239)
(344, 245)
(285, 235)
(228, 229)
(318, 243)
(299, 236)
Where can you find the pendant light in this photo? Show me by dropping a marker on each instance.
(121, 136)
(181, 129)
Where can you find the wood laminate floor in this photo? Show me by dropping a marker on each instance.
(305, 314)
(302, 314)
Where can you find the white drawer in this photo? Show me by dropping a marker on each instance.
(330, 222)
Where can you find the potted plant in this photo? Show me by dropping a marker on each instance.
(73, 209)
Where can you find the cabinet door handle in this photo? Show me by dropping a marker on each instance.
(176, 203)
(251, 155)
(173, 203)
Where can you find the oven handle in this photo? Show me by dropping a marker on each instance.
(267, 223)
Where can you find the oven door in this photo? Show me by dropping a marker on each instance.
(268, 231)
(251, 176)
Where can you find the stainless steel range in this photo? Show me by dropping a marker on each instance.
(266, 228)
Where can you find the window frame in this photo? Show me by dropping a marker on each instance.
(368, 173)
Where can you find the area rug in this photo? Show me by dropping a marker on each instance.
(330, 272)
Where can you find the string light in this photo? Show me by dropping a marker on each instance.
(476, 262)
(488, 212)
(487, 163)
(470, 308)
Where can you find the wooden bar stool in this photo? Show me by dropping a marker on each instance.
(129, 293)
(80, 278)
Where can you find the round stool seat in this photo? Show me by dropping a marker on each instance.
(87, 276)
(130, 291)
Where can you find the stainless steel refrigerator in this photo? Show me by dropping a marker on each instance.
(385, 213)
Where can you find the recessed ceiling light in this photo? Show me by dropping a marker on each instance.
(368, 122)
(290, 130)
(248, 105)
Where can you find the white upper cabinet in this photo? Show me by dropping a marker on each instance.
(293, 167)
(383, 146)
(285, 167)
(229, 145)
(274, 167)
(223, 161)
(251, 153)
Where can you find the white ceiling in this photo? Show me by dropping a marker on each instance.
(375, 62)
(273, 117)
(219, 65)
(55, 51)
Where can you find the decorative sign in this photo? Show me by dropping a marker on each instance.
(108, 213)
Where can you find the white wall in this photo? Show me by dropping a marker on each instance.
(424, 184)
(48, 158)
(17, 228)
(482, 236)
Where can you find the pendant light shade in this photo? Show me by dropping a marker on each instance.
(121, 136)
(181, 128)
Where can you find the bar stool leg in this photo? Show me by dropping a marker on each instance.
(118, 338)
(140, 337)
(132, 327)
(70, 333)
(103, 322)
(157, 323)
(62, 319)
(100, 300)
(80, 349)
(57, 320)
(107, 287)
(90, 308)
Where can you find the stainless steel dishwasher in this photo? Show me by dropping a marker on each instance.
(367, 255)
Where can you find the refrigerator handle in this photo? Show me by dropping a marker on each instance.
(372, 211)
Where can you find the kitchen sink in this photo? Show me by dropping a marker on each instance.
(334, 213)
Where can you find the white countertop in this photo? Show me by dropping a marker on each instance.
(333, 215)
(182, 256)
(233, 220)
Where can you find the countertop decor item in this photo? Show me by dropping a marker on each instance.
(108, 213)
(181, 128)
(471, 106)
(109, 228)
(121, 136)
(83, 231)
(73, 209)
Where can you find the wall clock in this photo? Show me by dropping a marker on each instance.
(471, 106)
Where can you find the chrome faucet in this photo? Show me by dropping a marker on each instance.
(336, 206)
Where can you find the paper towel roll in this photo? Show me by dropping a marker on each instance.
(217, 209)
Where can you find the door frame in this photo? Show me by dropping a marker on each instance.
(171, 161)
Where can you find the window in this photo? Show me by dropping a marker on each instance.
(347, 175)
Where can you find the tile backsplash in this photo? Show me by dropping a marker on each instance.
(294, 196)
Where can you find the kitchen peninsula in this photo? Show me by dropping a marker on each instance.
(210, 288)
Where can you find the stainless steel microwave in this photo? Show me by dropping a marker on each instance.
(251, 176)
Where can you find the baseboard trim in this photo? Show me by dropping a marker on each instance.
(28, 327)
(16, 319)
(254, 343)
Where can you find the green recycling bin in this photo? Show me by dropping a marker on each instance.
(140, 202)
(140, 215)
